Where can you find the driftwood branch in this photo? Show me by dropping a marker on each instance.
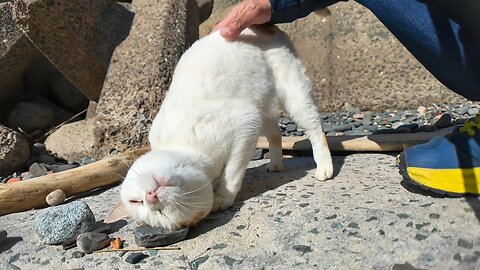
(25, 195)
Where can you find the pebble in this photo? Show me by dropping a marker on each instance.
(37, 170)
(461, 110)
(421, 110)
(13, 180)
(473, 111)
(90, 241)
(147, 236)
(135, 257)
(302, 248)
(291, 127)
(38, 149)
(55, 197)
(464, 243)
(444, 121)
(61, 223)
(77, 254)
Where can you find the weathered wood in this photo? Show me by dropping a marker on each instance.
(370, 143)
(29, 194)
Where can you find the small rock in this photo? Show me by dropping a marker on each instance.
(434, 216)
(198, 261)
(55, 197)
(60, 223)
(37, 170)
(135, 257)
(38, 149)
(291, 127)
(420, 237)
(13, 180)
(461, 110)
(90, 241)
(62, 167)
(358, 116)
(444, 121)
(46, 159)
(473, 111)
(147, 236)
(405, 266)
(302, 248)
(77, 254)
(258, 154)
(353, 225)
(341, 128)
(3, 236)
(464, 243)
(284, 120)
(421, 110)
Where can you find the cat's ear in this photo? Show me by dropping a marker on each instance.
(118, 212)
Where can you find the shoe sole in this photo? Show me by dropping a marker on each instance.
(402, 168)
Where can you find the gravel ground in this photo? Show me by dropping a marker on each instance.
(362, 219)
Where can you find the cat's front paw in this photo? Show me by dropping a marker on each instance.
(274, 166)
(324, 171)
(221, 203)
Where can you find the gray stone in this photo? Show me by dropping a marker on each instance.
(302, 248)
(140, 72)
(90, 241)
(461, 110)
(61, 167)
(473, 111)
(30, 116)
(341, 128)
(60, 223)
(37, 170)
(465, 243)
(291, 127)
(444, 121)
(14, 150)
(147, 236)
(135, 257)
(38, 149)
(77, 254)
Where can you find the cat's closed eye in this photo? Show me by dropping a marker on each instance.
(136, 202)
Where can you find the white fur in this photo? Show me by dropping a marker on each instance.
(223, 96)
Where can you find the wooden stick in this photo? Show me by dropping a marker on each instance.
(28, 194)
(136, 249)
(369, 143)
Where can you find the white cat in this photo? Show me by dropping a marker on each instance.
(223, 96)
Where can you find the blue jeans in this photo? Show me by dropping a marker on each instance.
(444, 35)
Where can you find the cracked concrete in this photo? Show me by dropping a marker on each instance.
(362, 219)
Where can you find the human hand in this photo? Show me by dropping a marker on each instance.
(243, 15)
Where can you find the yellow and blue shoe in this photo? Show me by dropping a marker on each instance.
(448, 165)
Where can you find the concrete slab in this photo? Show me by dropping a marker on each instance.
(362, 219)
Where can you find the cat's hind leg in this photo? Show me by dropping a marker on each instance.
(294, 89)
(272, 132)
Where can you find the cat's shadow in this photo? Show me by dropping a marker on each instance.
(258, 181)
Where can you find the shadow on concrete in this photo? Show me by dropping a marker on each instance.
(258, 181)
(9, 243)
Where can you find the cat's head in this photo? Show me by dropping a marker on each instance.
(163, 190)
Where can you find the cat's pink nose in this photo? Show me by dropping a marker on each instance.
(152, 197)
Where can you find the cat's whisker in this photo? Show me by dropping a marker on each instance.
(204, 186)
(185, 207)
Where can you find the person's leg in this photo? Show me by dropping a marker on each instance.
(443, 35)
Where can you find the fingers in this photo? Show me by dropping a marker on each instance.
(243, 15)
